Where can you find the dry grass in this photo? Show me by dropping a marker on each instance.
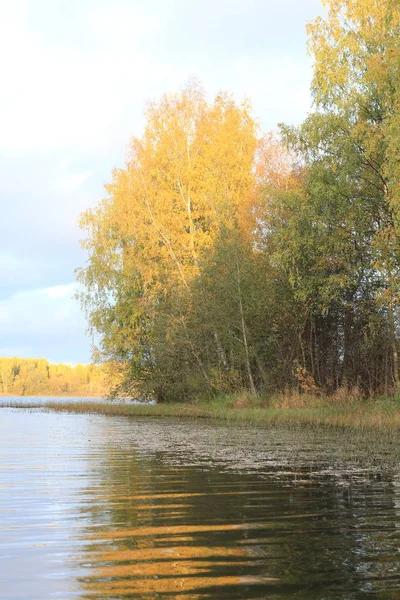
(246, 400)
(286, 410)
(291, 400)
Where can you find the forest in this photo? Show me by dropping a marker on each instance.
(225, 259)
(37, 376)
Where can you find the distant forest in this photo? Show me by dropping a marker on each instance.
(36, 376)
(224, 260)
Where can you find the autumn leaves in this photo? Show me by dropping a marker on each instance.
(223, 260)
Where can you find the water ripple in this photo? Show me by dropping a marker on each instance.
(100, 507)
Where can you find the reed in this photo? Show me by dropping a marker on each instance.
(379, 413)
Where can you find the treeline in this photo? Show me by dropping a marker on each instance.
(36, 376)
(222, 260)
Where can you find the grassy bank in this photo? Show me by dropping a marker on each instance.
(346, 412)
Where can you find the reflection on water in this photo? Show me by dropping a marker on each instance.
(100, 507)
(16, 401)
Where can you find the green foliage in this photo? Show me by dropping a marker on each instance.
(220, 263)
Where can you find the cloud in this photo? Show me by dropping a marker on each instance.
(87, 94)
(15, 269)
(40, 321)
(10, 263)
(71, 97)
(67, 181)
(76, 75)
(43, 310)
(41, 203)
(282, 94)
(121, 23)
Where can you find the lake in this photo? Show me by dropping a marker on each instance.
(115, 507)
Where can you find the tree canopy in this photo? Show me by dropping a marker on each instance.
(223, 259)
(37, 376)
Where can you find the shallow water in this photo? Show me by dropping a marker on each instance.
(116, 507)
(38, 400)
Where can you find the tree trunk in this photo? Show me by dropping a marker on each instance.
(244, 334)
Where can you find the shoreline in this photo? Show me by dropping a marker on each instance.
(71, 395)
(382, 414)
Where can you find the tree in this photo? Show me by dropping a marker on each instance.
(348, 261)
(220, 261)
(188, 175)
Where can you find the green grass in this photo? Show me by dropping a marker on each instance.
(381, 413)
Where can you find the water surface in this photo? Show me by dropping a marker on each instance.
(117, 507)
(38, 400)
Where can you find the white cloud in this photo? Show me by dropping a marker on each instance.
(55, 96)
(89, 98)
(279, 87)
(9, 263)
(15, 269)
(122, 24)
(44, 311)
(73, 88)
(59, 291)
(68, 181)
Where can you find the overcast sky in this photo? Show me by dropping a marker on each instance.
(75, 77)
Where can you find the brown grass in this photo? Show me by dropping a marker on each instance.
(288, 410)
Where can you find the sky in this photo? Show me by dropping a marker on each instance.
(75, 78)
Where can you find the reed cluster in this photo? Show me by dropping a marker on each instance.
(283, 410)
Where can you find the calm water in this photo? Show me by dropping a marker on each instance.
(43, 399)
(109, 507)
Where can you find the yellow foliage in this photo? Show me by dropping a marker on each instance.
(32, 376)
(306, 381)
(189, 173)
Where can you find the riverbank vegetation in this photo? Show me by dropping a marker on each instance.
(378, 414)
(225, 261)
(38, 377)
